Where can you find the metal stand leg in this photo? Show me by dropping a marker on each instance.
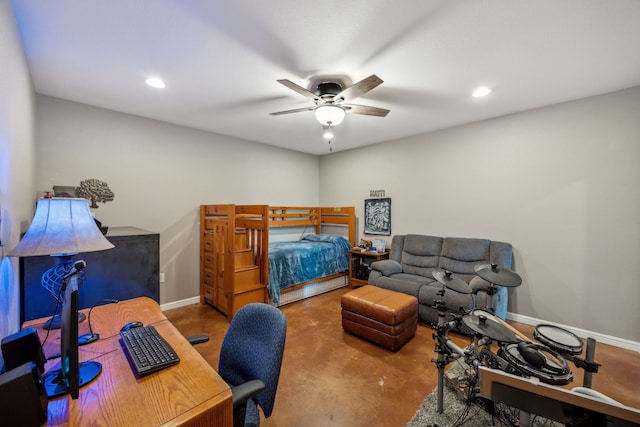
(447, 350)
(441, 348)
(440, 363)
(490, 295)
(591, 351)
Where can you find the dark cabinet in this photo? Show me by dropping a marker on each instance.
(129, 270)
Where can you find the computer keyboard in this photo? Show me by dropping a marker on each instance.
(147, 350)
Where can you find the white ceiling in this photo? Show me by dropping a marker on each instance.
(221, 59)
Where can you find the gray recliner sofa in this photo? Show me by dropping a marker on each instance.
(413, 257)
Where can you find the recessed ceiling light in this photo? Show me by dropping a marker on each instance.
(481, 91)
(155, 82)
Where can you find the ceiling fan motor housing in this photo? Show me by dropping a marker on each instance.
(328, 88)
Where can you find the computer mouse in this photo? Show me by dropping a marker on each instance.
(131, 325)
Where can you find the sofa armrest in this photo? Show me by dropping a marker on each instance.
(387, 267)
(374, 275)
(478, 284)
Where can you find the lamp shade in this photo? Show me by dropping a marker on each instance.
(61, 226)
(330, 114)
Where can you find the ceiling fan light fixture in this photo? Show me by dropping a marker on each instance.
(330, 114)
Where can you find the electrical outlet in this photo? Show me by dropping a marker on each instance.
(161, 277)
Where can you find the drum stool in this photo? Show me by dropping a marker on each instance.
(385, 317)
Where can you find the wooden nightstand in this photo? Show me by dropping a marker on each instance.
(357, 258)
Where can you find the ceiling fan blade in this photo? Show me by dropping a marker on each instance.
(302, 91)
(358, 89)
(297, 110)
(365, 109)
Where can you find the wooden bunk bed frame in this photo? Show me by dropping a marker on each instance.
(234, 251)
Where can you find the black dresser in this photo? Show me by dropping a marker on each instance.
(129, 270)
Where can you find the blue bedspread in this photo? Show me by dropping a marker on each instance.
(312, 257)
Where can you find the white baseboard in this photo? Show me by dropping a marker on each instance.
(178, 304)
(605, 339)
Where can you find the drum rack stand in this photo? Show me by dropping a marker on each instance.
(448, 352)
(480, 352)
(588, 364)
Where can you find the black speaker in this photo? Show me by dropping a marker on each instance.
(22, 347)
(363, 271)
(23, 400)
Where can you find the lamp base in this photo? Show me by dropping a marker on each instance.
(54, 322)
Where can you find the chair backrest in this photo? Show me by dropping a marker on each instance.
(253, 348)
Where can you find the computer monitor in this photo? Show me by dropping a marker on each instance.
(72, 374)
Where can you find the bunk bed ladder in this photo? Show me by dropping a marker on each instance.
(233, 256)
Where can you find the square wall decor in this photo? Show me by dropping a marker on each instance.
(377, 216)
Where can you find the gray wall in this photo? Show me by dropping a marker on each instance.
(560, 183)
(161, 173)
(16, 161)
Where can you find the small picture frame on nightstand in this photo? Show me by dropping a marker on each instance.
(380, 245)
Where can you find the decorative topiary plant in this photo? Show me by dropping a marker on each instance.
(95, 191)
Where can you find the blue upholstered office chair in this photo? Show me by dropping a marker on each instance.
(250, 360)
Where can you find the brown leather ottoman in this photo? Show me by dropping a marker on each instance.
(385, 317)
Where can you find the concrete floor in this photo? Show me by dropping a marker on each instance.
(332, 378)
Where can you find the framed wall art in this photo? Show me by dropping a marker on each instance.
(377, 216)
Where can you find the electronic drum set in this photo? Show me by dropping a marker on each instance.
(516, 355)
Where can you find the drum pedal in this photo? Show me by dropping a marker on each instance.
(459, 382)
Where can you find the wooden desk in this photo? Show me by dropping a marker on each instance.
(190, 393)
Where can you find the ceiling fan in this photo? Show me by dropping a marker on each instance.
(332, 101)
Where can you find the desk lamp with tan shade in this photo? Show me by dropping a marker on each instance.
(62, 228)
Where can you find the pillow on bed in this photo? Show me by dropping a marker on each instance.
(332, 238)
(341, 243)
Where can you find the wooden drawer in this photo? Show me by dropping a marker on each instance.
(207, 244)
(209, 225)
(208, 260)
(208, 294)
(208, 277)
